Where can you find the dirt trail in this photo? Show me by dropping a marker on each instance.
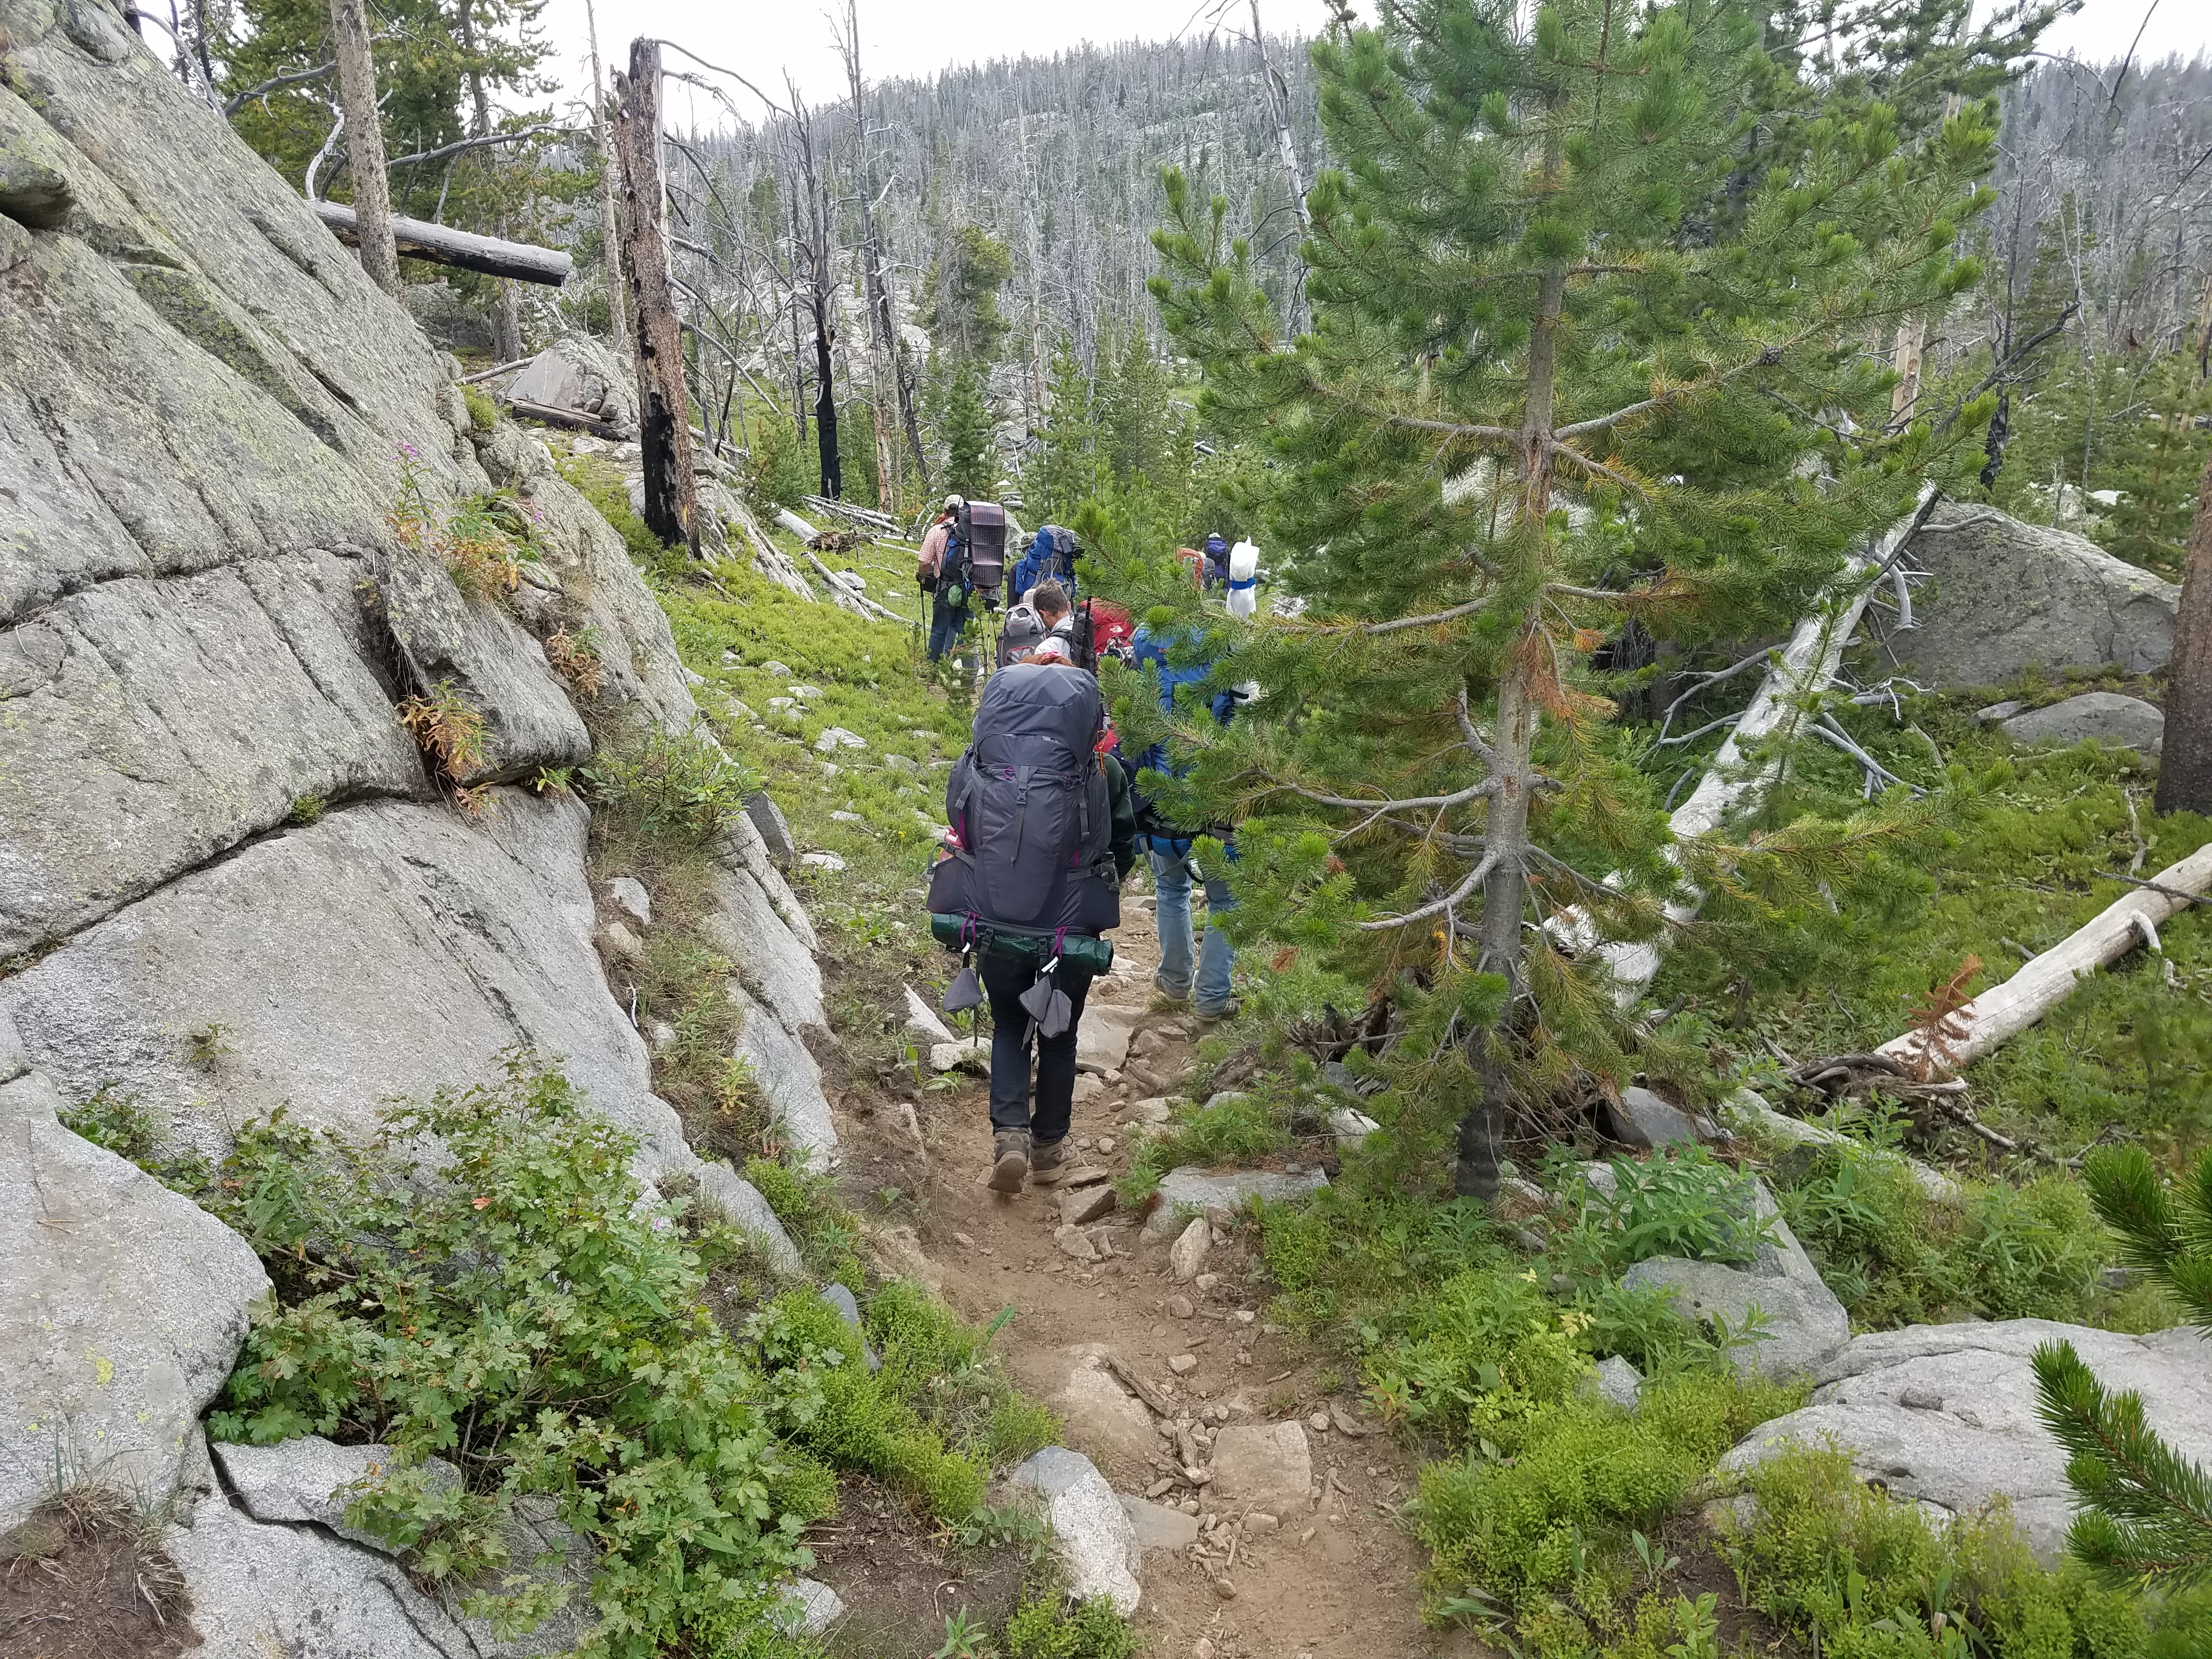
(1338, 1580)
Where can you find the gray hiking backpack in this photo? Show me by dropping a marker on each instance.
(1030, 808)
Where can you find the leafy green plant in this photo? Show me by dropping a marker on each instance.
(511, 1308)
(1044, 1629)
(1839, 1562)
(687, 787)
(482, 407)
(1682, 1202)
(964, 1639)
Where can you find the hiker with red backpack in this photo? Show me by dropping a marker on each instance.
(1042, 833)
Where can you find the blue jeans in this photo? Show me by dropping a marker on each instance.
(1171, 874)
(946, 624)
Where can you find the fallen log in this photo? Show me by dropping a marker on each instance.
(767, 558)
(568, 417)
(444, 245)
(484, 374)
(2042, 984)
(847, 597)
(866, 518)
(797, 526)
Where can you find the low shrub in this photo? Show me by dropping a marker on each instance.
(1044, 1628)
(1682, 1201)
(1843, 1565)
(658, 785)
(511, 1309)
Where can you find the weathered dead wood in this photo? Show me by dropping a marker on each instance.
(1156, 1402)
(2041, 985)
(442, 245)
(672, 489)
(568, 417)
(372, 188)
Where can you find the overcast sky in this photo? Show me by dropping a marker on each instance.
(764, 40)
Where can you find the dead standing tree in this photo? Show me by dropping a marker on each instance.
(884, 366)
(812, 227)
(372, 190)
(671, 490)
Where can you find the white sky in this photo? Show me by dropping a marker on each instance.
(763, 40)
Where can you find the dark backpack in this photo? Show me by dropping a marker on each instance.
(1029, 807)
(1025, 631)
(981, 535)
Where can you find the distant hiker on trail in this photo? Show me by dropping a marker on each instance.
(1217, 561)
(1186, 970)
(1041, 834)
(945, 619)
(1051, 555)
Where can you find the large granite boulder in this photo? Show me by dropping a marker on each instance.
(2100, 717)
(1947, 1413)
(1805, 1325)
(122, 1308)
(583, 375)
(2006, 595)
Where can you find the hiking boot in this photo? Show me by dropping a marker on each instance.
(1211, 1016)
(1049, 1162)
(1166, 997)
(1010, 1160)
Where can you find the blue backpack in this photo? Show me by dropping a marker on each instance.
(1159, 834)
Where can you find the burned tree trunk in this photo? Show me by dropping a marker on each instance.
(671, 490)
(372, 191)
(2184, 770)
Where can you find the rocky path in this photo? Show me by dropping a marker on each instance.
(1303, 1491)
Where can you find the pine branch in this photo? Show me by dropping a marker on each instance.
(2148, 1511)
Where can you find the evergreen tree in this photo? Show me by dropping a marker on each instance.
(1536, 400)
(2148, 1514)
(2154, 460)
(1137, 432)
(971, 455)
(1066, 473)
(960, 296)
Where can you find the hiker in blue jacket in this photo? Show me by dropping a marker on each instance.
(1186, 969)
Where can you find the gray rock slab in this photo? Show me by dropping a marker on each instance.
(1263, 1464)
(630, 895)
(923, 1022)
(811, 1607)
(1351, 1126)
(388, 948)
(1184, 1191)
(848, 1309)
(1807, 1325)
(153, 724)
(775, 833)
(1103, 1418)
(260, 1590)
(1640, 1118)
(740, 1202)
(1158, 1527)
(309, 1479)
(2102, 717)
(776, 968)
(789, 1081)
(1986, 1441)
(960, 1055)
(1090, 1533)
(743, 848)
(125, 1308)
(2006, 595)
(477, 649)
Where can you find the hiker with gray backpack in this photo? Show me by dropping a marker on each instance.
(1041, 834)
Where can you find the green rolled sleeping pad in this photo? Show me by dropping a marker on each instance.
(1077, 949)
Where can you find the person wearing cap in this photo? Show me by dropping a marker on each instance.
(945, 621)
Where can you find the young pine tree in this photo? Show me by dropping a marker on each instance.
(1541, 396)
(2146, 1515)
(971, 455)
(1066, 475)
